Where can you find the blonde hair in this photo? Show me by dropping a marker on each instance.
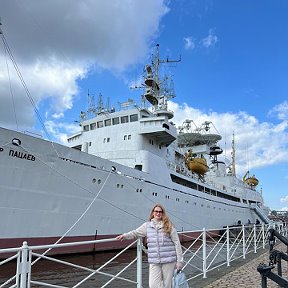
(167, 225)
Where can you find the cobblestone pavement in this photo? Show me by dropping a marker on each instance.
(243, 274)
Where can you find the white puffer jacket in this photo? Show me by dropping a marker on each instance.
(161, 248)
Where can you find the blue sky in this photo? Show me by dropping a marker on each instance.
(232, 72)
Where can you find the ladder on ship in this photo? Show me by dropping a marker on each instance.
(261, 214)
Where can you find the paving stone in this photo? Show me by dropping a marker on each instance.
(243, 274)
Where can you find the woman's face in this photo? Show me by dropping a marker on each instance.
(157, 213)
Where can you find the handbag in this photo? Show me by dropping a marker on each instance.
(179, 280)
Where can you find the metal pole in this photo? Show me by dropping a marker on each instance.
(204, 254)
(228, 246)
(139, 263)
(263, 281)
(255, 239)
(244, 242)
(263, 236)
(24, 267)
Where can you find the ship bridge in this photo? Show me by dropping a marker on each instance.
(157, 127)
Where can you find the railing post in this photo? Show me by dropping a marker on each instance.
(23, 267)
(204, 254)
(139, 263)
(244, 242)
(228, 246)
(255, 239)
(263, 235)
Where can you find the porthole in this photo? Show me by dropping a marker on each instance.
(94, 180)
(99, 181)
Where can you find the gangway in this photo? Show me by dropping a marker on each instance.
(261, 214)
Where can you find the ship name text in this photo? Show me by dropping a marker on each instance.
(21, 155)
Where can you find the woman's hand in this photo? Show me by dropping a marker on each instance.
(120, 237)
(178, 266)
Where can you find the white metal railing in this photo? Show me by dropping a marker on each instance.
(206, 251)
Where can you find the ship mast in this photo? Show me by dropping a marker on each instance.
(156, 90)
(233, 153)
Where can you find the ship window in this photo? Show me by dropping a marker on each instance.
(115, 121)
(138, 167)
(100, 124)
(125, 137)
(129, 137)
(124, 119)
(86, 128)
(107, 122)
(134, 118)
(92, 126)
(108, 139)
(200, 188)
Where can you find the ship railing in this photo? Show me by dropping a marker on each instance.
(204, 251)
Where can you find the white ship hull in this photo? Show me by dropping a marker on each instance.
(44, 194)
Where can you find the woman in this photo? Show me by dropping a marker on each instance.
(164, 248)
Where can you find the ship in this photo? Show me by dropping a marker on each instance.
(108, 176)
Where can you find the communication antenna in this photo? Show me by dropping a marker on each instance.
(158, 61)
(91, 104)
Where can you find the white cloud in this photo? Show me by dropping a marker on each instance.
(284, 199)
(55, 47)
(210, 40)
(280, 110)
(189, 43)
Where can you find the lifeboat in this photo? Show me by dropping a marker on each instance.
(252, 181)
(198, 165)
